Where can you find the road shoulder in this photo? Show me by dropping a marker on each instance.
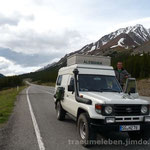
(18, 132)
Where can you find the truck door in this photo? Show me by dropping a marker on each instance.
(70, 97)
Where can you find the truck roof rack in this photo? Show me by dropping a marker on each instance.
(88, 59)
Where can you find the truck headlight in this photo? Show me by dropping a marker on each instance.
(144, 109)
(108, 110)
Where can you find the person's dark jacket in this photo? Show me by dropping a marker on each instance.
(121, 76)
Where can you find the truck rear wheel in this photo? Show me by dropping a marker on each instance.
(144, 135)
(60, 112)
(87, 135)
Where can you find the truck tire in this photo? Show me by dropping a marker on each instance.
(144, 135)
(60, 112)
(87, 136)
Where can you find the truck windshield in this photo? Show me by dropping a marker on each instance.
(98, 83)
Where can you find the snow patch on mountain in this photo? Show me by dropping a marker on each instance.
(114, 46)
(120, 43)
(104, 42)
(93, 48)
(137, 43)
(84, 48)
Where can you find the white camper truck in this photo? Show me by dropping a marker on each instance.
(88, 91)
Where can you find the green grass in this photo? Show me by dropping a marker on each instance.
(48, 84)
(7, 102)
(44, 83)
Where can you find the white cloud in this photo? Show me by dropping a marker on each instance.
(13, 19)
(32, 42)
(8, 67)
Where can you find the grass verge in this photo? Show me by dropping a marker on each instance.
(48, 84)
(44, 83)
(7, 102)
(144, 87)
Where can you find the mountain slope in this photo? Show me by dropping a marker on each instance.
(138, 33)
(145, 48)
(149, 31)
(120, 43)
(45, 67)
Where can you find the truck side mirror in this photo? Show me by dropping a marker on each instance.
(131, 87)
(71, 88)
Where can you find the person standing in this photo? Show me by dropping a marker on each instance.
(121, 74)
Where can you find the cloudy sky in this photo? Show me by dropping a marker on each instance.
(34, 33)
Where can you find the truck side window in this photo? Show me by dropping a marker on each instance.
(59, 80)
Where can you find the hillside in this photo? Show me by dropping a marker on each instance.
(149, 31)
(145, 48)
(121, 43)
(144, 87)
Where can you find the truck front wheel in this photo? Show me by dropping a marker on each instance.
(87, 135)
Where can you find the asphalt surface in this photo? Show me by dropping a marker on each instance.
(33, 126)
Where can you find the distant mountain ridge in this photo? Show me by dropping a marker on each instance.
(47, 66)
(138, 33)
(133, 38)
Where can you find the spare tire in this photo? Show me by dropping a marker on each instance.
(60, 93)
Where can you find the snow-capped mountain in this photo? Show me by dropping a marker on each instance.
(138, 33)
(124, 39)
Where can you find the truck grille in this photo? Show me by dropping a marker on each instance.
(127, 110)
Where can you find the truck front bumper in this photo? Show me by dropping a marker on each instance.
(102, 126)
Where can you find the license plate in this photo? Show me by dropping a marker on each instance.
(129, 127)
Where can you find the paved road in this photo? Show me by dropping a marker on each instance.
(34, 126)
